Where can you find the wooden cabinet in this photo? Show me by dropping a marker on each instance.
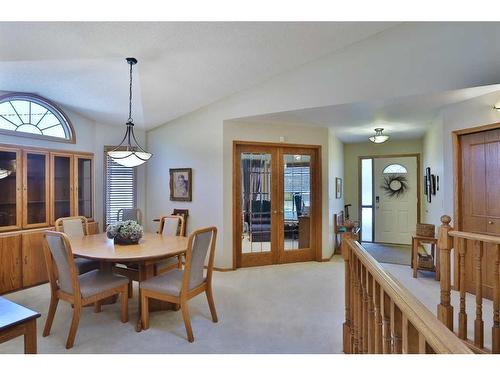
(10, 263)
(34, 268)
(37, 186)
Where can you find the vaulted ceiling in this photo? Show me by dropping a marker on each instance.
(182, 66)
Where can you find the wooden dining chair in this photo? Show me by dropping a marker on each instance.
(78, 290)
(124, 214)
(170, 225)
(179, 286)
(77, 226)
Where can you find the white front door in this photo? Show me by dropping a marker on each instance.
(396, 199)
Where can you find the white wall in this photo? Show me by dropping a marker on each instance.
(90, 137)
(438, 148)
(335, 169)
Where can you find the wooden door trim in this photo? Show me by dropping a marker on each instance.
(318, 190)
(415, 155)
(457, 168)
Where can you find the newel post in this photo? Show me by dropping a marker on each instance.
(346, 327)
(445, 244)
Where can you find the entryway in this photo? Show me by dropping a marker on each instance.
(277, 203)
(389, 198)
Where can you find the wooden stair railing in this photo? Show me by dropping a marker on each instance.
(461, 242)
(381, 316)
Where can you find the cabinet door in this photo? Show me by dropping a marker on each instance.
(84, 186)
(34, 268)
(61, 189)
(35, 189)
(10, 263)
(10, 188)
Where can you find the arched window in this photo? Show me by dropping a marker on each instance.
(33, 116)
(394, 168)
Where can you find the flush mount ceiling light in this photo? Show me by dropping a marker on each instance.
(379, 137)
(126, 153)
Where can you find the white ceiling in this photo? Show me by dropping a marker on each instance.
(402, 118)
(182, 66)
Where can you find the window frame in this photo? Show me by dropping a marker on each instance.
(105, 183)
(52, 107)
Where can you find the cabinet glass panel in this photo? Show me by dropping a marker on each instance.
(85, 187)
(62, 186)
(8, 188)
(297, 201)
(36, 174)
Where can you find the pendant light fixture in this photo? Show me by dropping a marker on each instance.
(379, 137)
(126, 153)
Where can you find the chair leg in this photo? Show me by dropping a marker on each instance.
(124, 301)
(211, 304)
(187, 320)
(97, 307)
(144, 311)
(130, 289)
(74, 326)
(50, 316)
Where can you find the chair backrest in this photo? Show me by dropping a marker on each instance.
(73, 226)
(172, 225)
(59, 260)
(201, 242)
(124, 214)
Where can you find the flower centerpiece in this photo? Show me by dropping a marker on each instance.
(125, 232)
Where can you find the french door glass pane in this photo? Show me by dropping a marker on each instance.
(36, 175)
(367, 224)
(256, 202)
(85, 187)
(62, 181)
(8, 176)
(297, 201)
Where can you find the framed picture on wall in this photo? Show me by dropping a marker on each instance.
(181, 184)
(338, 187)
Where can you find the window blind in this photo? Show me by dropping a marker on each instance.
(120, 189)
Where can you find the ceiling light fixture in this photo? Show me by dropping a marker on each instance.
(127, 154)
(4, 173)
(379, 137)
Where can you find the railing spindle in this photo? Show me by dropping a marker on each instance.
(365, 310)
(355, 304)
(445, 243)
(360, 309)
(462, 315)
(378, 317)
(371, 314)
(495, 331)
(396, 329)
(478, 323)
(386, 322)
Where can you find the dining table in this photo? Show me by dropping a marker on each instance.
(152, 247)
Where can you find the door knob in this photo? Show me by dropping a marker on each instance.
(275, 212)
(491, 222)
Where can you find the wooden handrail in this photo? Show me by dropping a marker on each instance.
(470, 246)
(382, 316)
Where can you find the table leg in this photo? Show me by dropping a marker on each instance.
(30, 346)
(414, 252)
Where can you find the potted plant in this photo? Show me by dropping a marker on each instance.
(125, 232)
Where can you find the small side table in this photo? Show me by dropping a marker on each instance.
(416, 240)
(17, 320)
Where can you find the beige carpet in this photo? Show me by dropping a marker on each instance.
(294, 308)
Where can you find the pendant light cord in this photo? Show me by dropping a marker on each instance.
(130, 97)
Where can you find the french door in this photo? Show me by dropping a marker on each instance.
(277, 204)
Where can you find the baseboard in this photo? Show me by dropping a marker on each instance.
(328, 259)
